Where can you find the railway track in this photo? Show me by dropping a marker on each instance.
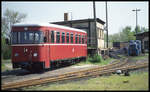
(72, 75)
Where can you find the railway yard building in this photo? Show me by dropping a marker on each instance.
(144, 37)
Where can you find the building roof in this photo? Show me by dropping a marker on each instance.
(77, 21)
(48, 25)
(142, 33)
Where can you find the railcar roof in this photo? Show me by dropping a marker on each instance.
(49, 25)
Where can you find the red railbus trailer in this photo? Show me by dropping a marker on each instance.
(42, 46)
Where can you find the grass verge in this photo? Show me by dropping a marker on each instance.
(3, 65)
(96, 60)
(136, 81)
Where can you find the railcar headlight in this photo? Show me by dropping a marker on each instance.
(16, 54)
(35, 54)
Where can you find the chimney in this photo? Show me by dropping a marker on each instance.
(65, 16)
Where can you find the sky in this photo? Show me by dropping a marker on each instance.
(120, 13)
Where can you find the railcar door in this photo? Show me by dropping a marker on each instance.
(47, 50)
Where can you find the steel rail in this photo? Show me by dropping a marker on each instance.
(71, 75)
(58, 77)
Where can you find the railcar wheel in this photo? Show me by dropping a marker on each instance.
(34, 69)
(57, 64)
(71, 62)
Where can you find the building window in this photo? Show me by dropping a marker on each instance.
(67, 37)
(102, 34)
(58, 37)
(71, 37)
(52, 37)
(63, 37)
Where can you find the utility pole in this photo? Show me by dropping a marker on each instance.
(136, 10)
(106, 24)
(94, 12)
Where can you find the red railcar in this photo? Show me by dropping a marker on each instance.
(41, 46)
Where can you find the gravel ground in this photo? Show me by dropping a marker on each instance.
(130, 61)
(20, 75)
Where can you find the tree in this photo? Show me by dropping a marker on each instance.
(140, 30)
(9, 18)
(143, 29)
(126, 34)
(123, 36)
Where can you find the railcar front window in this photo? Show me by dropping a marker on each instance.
(29, 37)
(37, 38)
(25, 36)
(14, 37)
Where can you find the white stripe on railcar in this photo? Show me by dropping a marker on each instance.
(46, 44)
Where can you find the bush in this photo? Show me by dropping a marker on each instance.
(95, 59)
(7, 53)
(88, 59)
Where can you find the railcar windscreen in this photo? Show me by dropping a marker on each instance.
(27, 37)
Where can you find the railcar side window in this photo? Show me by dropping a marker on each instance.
(49, 35)
(76, 38)
(67, 37)
(52, 37)
(82, 39)
(58, 37)
(79, 39)
(85, 40)
(71, 37)
(63, 37)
